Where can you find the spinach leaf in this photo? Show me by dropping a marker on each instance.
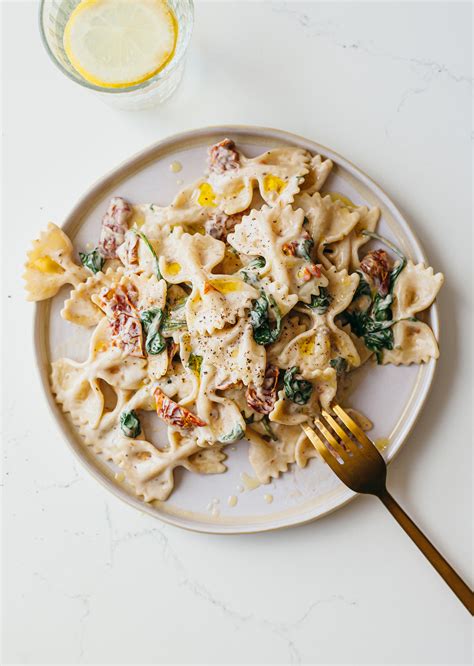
(363, 288)
(304, 247)
(235, 434)
(249, 272)
(264, 331)
(321, 302)
(94, 261)
(152, 250)
(377, 334)
(194, 363)
(381, 307)
(151, 321)
(267, 427)
(297, 390)
(374, 325)
(130, 424)
(339, 364)
(174, 319)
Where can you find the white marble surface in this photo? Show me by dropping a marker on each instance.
(90, 580)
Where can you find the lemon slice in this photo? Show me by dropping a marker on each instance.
(119, 43)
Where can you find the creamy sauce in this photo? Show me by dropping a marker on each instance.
(213, 507)
(268, 498)
(232, 500)
(176, 167)
(250, 482)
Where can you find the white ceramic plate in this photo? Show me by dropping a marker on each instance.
(391, 397)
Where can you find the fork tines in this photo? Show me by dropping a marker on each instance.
(336, 440)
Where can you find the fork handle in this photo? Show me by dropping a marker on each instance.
(445, 570)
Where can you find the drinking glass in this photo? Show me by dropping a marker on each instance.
(54, 15)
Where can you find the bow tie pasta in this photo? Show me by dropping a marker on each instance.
(236, 311)
(50, 265)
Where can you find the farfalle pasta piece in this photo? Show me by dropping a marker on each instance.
(233, 353)
(278, 174)
(79, 308)
(191, 207)
(207, 461)
(344, 254)
(151, 470)
(413, 342)
(317, 175)
(123, 304)
(50, 265)
(225, 423)
(324, 340)
(277, 235)
(215, 300)
(270, 458)
(329, 221)
(77, 385)
(415, 290)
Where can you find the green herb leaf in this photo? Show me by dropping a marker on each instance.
(363, 288)
(321, 302)
(339, 364)
(377, 334)
(151, 321)
(265, 331)
(152, 250)
(175, 318)
(304, 247)
(267, 427)
(297, 390)
(250, 272)
(130, 424)
(236, 433)
(94, 261)
(381, 307)
(194, 363)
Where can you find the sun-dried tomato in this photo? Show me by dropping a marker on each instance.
(114, 227)
(220, 225)
(376, 265)
(263, 398)
(223, 157)
(175, 414)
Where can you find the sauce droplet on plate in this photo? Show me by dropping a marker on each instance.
(250, 482)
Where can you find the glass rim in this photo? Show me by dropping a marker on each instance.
(172, 64)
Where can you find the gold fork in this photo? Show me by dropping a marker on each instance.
(358, 463)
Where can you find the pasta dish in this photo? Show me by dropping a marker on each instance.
(232, 313)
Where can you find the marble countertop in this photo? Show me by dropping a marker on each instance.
(91, 580)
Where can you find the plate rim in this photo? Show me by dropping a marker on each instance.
(72, 221)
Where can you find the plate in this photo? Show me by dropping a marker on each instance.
(392, 397)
